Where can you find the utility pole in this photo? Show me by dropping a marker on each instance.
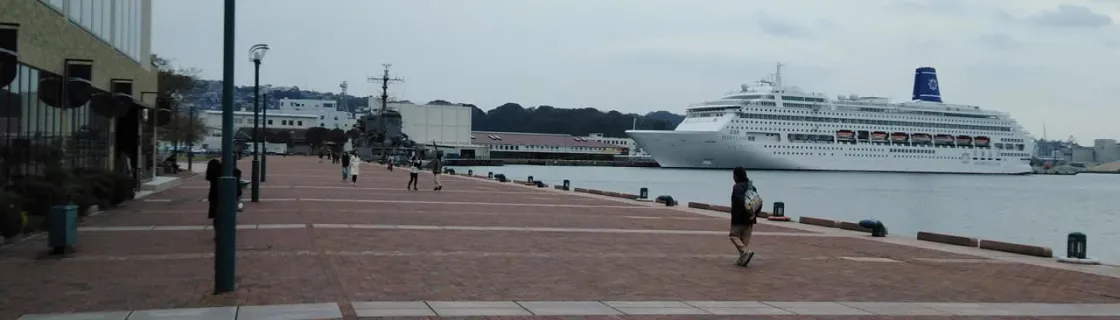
(384, 80)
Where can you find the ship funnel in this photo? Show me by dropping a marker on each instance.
(925, 85)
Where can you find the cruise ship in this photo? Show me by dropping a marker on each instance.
(770, 126)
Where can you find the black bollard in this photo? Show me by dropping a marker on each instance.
(779, 209)
(500, 177)
(878, 229)
(530, 179)
(643, 193)
(489, 175)
(667, 199)
(567, 185)
(1077, 245)
(540, 184)
(470, 172)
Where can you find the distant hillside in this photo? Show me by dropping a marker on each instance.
(510, 117)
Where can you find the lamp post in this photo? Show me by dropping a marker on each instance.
(256, 54)
(190, 135)
(264, 124)
(225, 244)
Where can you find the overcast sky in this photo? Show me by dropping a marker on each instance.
(1044, 61)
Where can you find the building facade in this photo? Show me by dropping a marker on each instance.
(442, 124)
(243, 122)
(329, 116)
(632, 148)
(518, 145)
(76, 81)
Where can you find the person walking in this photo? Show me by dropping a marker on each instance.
(744, 205)
(345, 159)
(437, 168)
(355, 168)
(413, 174)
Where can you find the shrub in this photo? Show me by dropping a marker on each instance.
(12, 219)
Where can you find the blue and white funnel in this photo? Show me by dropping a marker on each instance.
(925, 85)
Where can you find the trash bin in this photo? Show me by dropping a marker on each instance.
(643, 193)
(63, 231)
(1077, 245)
(779, 209)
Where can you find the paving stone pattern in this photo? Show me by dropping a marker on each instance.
(339, 251)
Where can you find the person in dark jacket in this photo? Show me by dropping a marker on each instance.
(213, 171)
(743, 217)
(437, 169)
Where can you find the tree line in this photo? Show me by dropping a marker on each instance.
(508, 117)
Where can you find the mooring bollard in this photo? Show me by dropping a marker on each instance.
(567, 185)
(667, 200)
(779, 209)
(1077, 245)
(530, 179)
(500, 177)
(540, 184)
(470, 172)
(878, 229)
(643, 193)
(489, 175)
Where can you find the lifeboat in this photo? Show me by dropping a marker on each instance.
(943, 139)
(964, 140)
(921, 138)
(846, 135)
(982, 141)
(878, 136)
(898, 137)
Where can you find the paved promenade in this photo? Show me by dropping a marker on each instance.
(318, 248)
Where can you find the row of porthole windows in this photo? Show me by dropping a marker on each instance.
(875, 114)
(896, 156)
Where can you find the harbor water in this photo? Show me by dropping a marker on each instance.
(1031, 209)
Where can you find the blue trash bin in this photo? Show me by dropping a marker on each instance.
(63, 231)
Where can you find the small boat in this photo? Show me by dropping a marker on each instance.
(845, 135)
(921, 138)
(898, 137)
(878, 136)
(964, 140)
(982, 141)
(943, 139)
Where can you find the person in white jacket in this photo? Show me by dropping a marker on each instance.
(355, 167)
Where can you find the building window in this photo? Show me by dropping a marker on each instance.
(57, 5)
(118, 23)
(270, 122)
(299, 123)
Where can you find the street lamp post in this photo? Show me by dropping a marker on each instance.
(264, 124)
(225, 244)
(256, 54)
(190, 135)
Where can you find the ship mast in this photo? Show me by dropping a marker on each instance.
(778, 76)
(385, 80)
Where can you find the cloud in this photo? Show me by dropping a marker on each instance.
(1071, 16)
(998, 40)
(782, 27)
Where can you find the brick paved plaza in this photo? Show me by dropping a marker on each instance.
(326, 249)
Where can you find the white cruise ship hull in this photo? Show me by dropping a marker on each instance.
(714, 150)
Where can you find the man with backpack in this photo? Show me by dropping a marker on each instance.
(345, 166)
(745, 205)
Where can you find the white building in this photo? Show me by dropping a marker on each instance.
(244, 119)
(1105, 150)
(446, 125)
(631, 146)
(325, 110)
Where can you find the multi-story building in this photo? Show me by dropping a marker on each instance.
(98, 54)
(326, 110)
(295, 123)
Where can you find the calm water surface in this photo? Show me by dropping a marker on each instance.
(1036, 209)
